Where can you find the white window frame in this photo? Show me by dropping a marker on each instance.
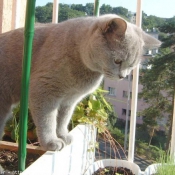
(112, 91)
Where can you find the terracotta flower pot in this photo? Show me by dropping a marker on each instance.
(7, 133)
(31, 135)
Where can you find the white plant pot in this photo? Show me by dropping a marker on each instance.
(114, 163)
(151, 169)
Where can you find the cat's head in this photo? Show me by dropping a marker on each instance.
(116, 46)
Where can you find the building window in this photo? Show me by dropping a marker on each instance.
(124, 112)
(129, 113)
(148, 52)
(127, 77)
(111, 91)
(125, 94)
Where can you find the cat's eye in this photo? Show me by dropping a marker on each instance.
(118, 61)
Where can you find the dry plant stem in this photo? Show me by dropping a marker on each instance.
(113, 143)
(107, 137)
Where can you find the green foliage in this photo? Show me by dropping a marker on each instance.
(66, 12)
(112, 119)
(150, 22)
(105, 9)
(78, 7)
(117, 135)
(44, 13)
(149, 151)
(12, 125)
(121, 11)
(89, 9)
(141, 134)
(158, 139)
(159, 82)
(15, 121)
(167, 165)
(93, 110)
(168, 26)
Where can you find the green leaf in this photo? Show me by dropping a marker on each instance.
(107, 104)
(106, 170)
(96, 105)
(90, 104)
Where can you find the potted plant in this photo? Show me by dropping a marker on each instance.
(165, 165)
(110, 165)
(94, 110)
(11, 128)
(31, 130)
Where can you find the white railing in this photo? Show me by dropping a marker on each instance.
(74, 159)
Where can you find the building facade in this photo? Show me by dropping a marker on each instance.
(12, 14)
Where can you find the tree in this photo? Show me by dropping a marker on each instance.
(120, 11)
(150, 22)
(89, 9)
(78, 7)
(65, 12)
(43, 14)
(105, 9)
(159, 82)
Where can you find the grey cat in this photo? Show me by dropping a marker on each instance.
(69, 61)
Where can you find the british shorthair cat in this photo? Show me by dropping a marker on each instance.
(69, 61)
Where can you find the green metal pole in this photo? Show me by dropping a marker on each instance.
(27, 54)
(96, 8)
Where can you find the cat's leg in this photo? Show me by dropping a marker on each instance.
(63, 118)
(2, 124)
(44, 115)
(5, 114)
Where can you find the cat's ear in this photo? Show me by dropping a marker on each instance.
(150, 42)
(115, 28)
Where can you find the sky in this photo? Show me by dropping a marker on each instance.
(159, 8)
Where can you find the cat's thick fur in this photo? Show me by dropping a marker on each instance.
(69, 61)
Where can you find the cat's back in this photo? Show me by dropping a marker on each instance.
(59, 36)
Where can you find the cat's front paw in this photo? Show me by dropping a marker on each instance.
(68, 139)
(55, 145)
